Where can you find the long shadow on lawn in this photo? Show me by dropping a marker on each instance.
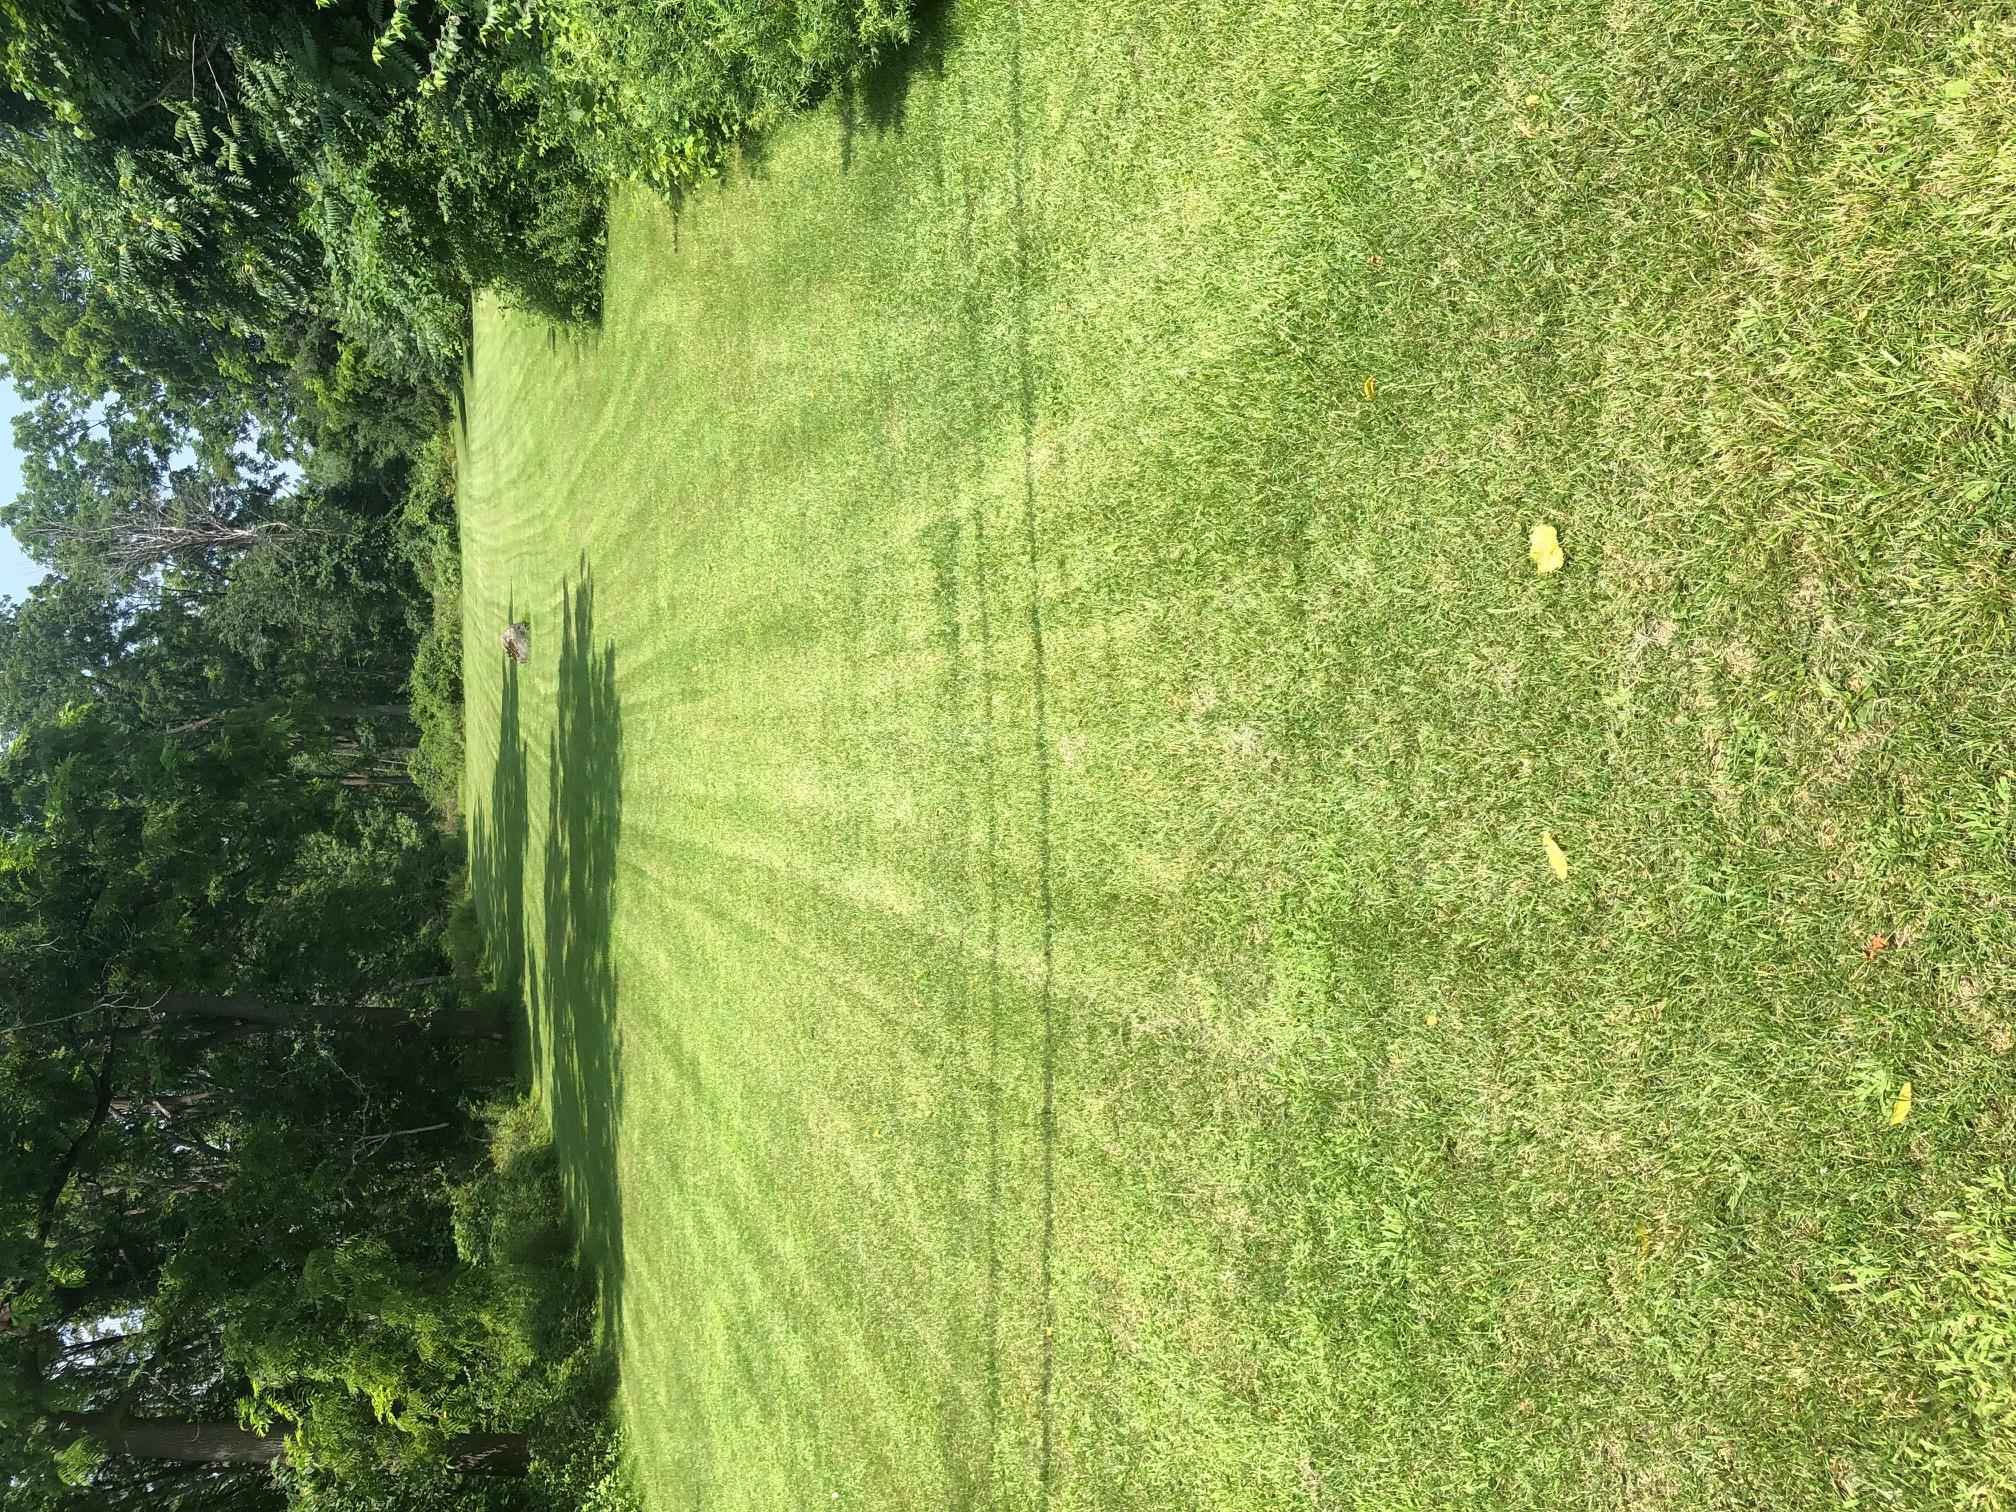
(574, 997)
(571, 995)
(497, 849)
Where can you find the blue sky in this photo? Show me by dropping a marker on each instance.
(17, 573)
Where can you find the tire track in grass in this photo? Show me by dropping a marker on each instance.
(991, 797)
(988, 702)
(1045, 886)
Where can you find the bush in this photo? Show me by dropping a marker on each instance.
(463, 941)
(653, 95)
(480, 156)
(427, 537)
(510, 1222)
(385, 1361)
(424, 174)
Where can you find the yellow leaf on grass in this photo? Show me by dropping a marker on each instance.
(1557, 858)
(1371, 387)
(1544, 546)
(1901, 1109)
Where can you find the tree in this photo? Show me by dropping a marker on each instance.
(111, 492)
(237, 249)
(205, 194)
(226, 1443)
(118, 1432)
(260, 1016)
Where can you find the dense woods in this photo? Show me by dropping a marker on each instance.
(274, 1227)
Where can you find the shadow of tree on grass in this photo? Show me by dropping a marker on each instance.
(569, 979)
(574, 994)
(497, 847)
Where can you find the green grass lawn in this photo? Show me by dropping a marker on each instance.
(1022, 828)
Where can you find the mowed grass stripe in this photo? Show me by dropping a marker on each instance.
(1380, 1170)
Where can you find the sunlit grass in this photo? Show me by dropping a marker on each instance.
(1027, 829)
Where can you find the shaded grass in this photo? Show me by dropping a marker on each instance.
(1042, 962)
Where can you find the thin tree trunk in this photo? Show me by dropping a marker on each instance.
(45, 1216)
(168, 1106)
(363, 779)
(460, 1022)
(330, 712)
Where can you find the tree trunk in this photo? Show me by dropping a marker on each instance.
(329, 712)
(463, 1022)
(489, 1454)
(166, 1439)
(228, 1444)
(168, 1105)
(363, 780)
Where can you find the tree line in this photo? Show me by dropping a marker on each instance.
(263, 1236)
(266, 1237)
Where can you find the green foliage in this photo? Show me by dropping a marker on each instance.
(422, 181)
(355, 415)
(593, 1475)
(380, 1364)
(139, 266)
(510, 1215)
(436, 692)
(339, 183)
(427, 517)
(428, 538)
(653, 94)
(361, 904)
(462, 939)
(217, 1181)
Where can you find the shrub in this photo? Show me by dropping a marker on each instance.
(380, 1362)
(427, 537)
(653, 95)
